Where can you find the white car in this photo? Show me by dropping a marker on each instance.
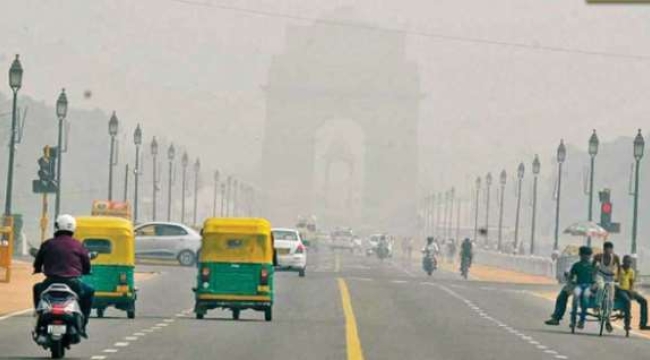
(291, 252)
(167, 241)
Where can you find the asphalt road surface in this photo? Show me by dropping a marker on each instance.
(347, 307)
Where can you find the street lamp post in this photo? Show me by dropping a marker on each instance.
(235, 198)
(488, 183)
(154, 156)
(228, 194)
(171, 153)
(438, 214)
(184, 161)
(432, 215)
(61, 112)
(502, 182)
(478, 192)
(593, 151)
(137, 140)
(520, 177)
(536, 168)
(15, 82)
(445, 208)
(216, 191)
(112, 131)
(561, 157)
(452, 195)
(223, 199)
(639, 144)
(197, 169)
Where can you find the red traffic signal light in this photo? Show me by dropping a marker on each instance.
(606, 208)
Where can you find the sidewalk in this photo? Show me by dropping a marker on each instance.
(17, 295)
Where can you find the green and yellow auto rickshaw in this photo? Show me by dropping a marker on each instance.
(235, 268)
(112, 240)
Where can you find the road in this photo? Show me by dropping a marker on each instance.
(392, 312)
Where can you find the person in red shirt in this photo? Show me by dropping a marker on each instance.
(63, 259)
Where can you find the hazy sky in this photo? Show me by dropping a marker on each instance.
(194, 73)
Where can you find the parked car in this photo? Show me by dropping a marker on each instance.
(291, 252)
(167, 241)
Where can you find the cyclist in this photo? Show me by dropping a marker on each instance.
(607, 267)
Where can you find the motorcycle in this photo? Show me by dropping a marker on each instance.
(58, 320)
(465, 263)
(429, 263)
(382, 251)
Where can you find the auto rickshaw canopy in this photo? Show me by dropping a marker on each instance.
(112, 238)
(236, 240)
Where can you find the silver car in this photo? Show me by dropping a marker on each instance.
(167, 241)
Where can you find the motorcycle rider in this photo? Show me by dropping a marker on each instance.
(430, 250)
(63, 259)
(466, 252)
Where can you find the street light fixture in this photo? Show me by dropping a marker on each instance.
(593, 151)
(113, 124)
(171, 153)
(15, 82)
(197, 169)
(137, 140)
(61, 113)
(154, 156)
(520, 177)
(502, 182)
(639, 144)
(561, 157)
(536, 169)
(488, 183)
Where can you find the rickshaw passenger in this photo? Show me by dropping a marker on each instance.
(582, 276)
(607, 266)
(625, 291)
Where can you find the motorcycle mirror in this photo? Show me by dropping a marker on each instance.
(93, 255)
(33, 251)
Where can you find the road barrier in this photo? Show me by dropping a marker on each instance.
(533, 265)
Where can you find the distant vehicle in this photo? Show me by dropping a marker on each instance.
(291, 252)
(167, 241)
(373, 241)
(342, 239)
(308, 232)
(120, 209)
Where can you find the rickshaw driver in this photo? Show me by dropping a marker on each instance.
(63, 259)
(607, 267)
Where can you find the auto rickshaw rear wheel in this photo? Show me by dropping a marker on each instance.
(268, 314)
(235, 314)
(100, 313)
(130, 314)
(200, 316)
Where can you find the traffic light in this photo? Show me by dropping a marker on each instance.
(606, 212)
(46, 182)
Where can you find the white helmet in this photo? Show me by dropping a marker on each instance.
(65, 222)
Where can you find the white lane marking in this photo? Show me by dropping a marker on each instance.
(169, 320)
(359, 278)
(161, 325)
(511, 330)
(131, 338)
(111, 351)
(98, 357)
(139, 334)
(121, 344)
(399, 281)
(147, 330)
(16, 313)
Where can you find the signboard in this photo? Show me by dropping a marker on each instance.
(111, 208)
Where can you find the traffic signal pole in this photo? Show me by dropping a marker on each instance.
(44, 218)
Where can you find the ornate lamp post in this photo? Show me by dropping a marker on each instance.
(15, 82)
(639, 144)
(112, 131)
(478, 192)
(61, 112)
(520, 177)
(171, 153)
(536, 168)
(593, 151)
(561, 157)
(502, 182)
(216, 191)
(154, 156)
(197, 169)
(488, 183)
(184, 162)
(137, 140)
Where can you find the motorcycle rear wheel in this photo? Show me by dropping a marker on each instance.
(57, 350)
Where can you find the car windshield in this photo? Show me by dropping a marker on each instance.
(285, 235)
